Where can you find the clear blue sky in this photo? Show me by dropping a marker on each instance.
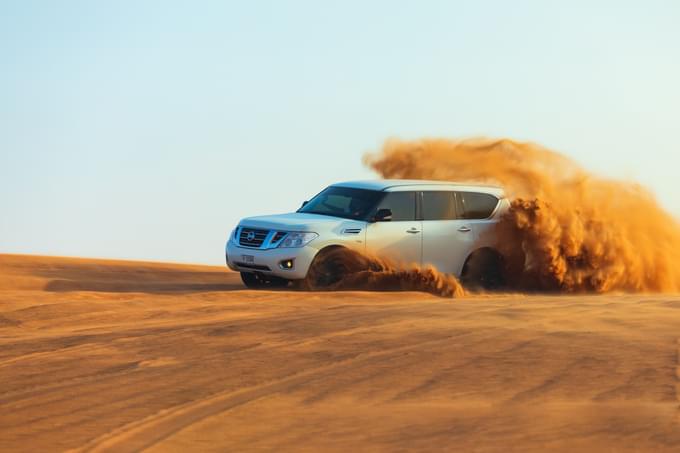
(146, 129)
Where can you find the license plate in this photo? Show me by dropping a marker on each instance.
(248, 258)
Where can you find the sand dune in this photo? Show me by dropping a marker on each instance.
(122, 356)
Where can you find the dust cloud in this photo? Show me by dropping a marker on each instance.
(345, 269)
(567, 229)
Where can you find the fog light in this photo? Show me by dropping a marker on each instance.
(287, 264)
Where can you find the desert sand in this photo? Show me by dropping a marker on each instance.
(126, 356)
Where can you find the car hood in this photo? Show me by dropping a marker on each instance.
(298, 221)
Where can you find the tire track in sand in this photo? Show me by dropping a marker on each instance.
(144, 433)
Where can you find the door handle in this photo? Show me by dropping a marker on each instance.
(413, 230)
(464, 229)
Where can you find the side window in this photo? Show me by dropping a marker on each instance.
(402, 204)
(474, 205)
(438, 206)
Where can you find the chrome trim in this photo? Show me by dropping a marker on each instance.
(267, 243)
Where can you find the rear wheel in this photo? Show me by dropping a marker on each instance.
(483, 269)
(260, 281)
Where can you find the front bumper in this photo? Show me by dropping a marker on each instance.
(245, 259)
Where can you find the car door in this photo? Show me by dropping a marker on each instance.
(447, 239)
(477, 209)
(399, 238)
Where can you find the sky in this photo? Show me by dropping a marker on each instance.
(147, 129)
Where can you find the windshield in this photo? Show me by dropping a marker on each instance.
(344, 202)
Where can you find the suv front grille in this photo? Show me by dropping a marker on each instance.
(259, 239)
(250, 237)
(278, 236)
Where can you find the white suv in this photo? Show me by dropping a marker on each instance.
(443, 224)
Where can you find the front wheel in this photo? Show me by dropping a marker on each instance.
(330, 267)
(259, 281)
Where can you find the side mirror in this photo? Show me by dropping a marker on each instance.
(304, 203)
(383, 215)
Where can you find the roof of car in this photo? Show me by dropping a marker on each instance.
(419, 184)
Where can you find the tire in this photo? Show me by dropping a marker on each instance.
(259, 281)
(329, 267)
(483, 270)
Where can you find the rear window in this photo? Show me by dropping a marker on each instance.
(438, 206)
(474, 205)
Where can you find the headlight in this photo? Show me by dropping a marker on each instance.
(233, 235)
(297, 240)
